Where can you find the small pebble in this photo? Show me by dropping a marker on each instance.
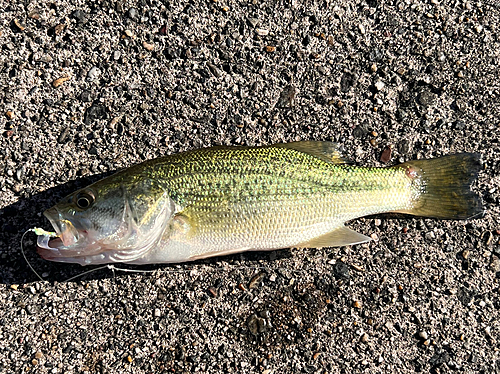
(357, 304)
(212, 291)
(93, 74)
(465, 254)
(38, 354)
(495, 264)
(148, 46)
(385, 157)
(19, 25)
(270, 49)
(262, 32)
(59, 81)
(423, 335)
(364, 338)
(379, 85)
(256, 279)
(14, 286)
(128, 34)
(157, 312)
(10, 114)
(133, 14)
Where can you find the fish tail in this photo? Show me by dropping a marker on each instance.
(445, 186)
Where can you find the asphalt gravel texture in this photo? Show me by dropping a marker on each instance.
(91, 87)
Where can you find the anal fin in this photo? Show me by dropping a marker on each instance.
(336, 238)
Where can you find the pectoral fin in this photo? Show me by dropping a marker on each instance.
(336, 238)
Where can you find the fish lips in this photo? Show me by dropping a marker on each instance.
(69, 238)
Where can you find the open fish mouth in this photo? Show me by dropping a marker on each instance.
(68, 242)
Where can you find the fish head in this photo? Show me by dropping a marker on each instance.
(117, 219)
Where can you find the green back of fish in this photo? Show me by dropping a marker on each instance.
(276, 196)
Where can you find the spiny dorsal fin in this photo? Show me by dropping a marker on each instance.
(336, 238)
(326, 151)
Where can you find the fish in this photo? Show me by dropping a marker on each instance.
(224, 200)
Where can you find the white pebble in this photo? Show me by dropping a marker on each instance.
(379, 85)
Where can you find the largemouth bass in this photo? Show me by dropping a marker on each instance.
(224, 200)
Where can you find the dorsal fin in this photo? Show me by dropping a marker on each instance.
(326, 151)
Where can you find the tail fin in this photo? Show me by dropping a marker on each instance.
(446, 186)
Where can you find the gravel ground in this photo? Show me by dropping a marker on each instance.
(90, 87)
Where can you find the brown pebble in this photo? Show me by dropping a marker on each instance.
(270, 49)
(316, 355)
(10, 114)
(34, 362)
(14, 286)
(465, 254)
(357, 267)
(60, 81)
(212, 291)
(405, 230)
(59, 28)
(374, 133)
(357, 304)
(129, 359)
(19, 25)
(241, 287)
(148, 46)
(38, 354)
(497, 232)
(364, 338)
(128, 34)
(400, 287)
(385, 157)
(373, 142)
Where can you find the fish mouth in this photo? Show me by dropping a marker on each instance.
(69, 240)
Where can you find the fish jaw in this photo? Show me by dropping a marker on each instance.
(69, 242)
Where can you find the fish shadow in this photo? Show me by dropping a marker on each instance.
(27, 213)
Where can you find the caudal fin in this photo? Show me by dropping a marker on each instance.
(446, 186)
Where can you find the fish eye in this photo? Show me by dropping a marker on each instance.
(84, 199)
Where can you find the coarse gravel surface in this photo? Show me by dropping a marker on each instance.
(90, 87)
